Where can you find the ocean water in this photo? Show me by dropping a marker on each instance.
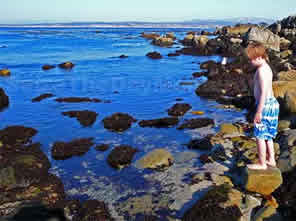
(146, 89)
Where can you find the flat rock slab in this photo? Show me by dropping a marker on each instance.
(78, 147)
(42, 97)
(196, 123)
(77, 100)
(160, 123)
(179, 109)
(264, 182)
(85, 117)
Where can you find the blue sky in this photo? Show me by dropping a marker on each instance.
(23, 11)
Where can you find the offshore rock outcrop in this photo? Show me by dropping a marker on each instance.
(121, 156)
(179, 109)
(160, 122)
(42, 97)
(118, 122)
(62, 150)
(85, 117)
(4, 100)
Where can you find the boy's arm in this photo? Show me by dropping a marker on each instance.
(263, 90)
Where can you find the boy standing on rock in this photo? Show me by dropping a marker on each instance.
(267, 110)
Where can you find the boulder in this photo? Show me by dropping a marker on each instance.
(5, 72)
(118, 122)
(237, 30)
(290, 101)
(200, 41)
(160, 123)
(284, 44)
(287, 75)
(17, 135)
(264, 182)
(77, 147)
(200, 144)
(179, 109)
(156, 159)
(4, 100)
(85, 117)
(264, 36)
(170, 35)
(285, 54)
(229, 129)
(286, 195)
(163, 41)
(281, 87)
(196, 123)
(188, 39)
(287, 160)
(220, 203)
(121, 156)
(149, 35)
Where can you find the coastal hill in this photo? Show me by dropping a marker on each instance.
(202, 23)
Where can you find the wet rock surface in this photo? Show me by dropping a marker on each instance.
(154, 55)
(66, 65)
(42, 97)
(16, 135)
(121, 156)
(77, 100)
(85, 117)
(48, 67)
(63, 150)
(179, 109)
(211, 208)
(196, 123)
(4, 100)
(160, 123)
(118, 122)
(200, 144)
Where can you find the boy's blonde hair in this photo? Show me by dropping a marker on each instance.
(256, 50)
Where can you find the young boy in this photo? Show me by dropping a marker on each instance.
(267, 111)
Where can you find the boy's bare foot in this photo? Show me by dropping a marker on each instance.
(271, 164)
(257, 166)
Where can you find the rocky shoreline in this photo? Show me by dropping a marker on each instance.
(220, 187)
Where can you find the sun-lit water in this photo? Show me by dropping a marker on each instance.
(146, 89)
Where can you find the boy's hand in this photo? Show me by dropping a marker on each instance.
(257, 118)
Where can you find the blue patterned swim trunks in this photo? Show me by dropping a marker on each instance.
(267, 129)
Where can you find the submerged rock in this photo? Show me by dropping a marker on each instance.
(5, 72)
(160, 123)
(156, 159)
(85, 117)
(62, 150)
(66, 65)
(200, 144)
(179, 109)
(77, 100)
(4, 100)
(48, 67)
(102, 147)
(196, 123)
(154, 55)
(42, 97)
(121, 156)
(123, 56)
(118, 122)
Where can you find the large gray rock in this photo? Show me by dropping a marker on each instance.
(265, 36)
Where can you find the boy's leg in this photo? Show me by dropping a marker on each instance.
(261, 146)
(270, 159)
